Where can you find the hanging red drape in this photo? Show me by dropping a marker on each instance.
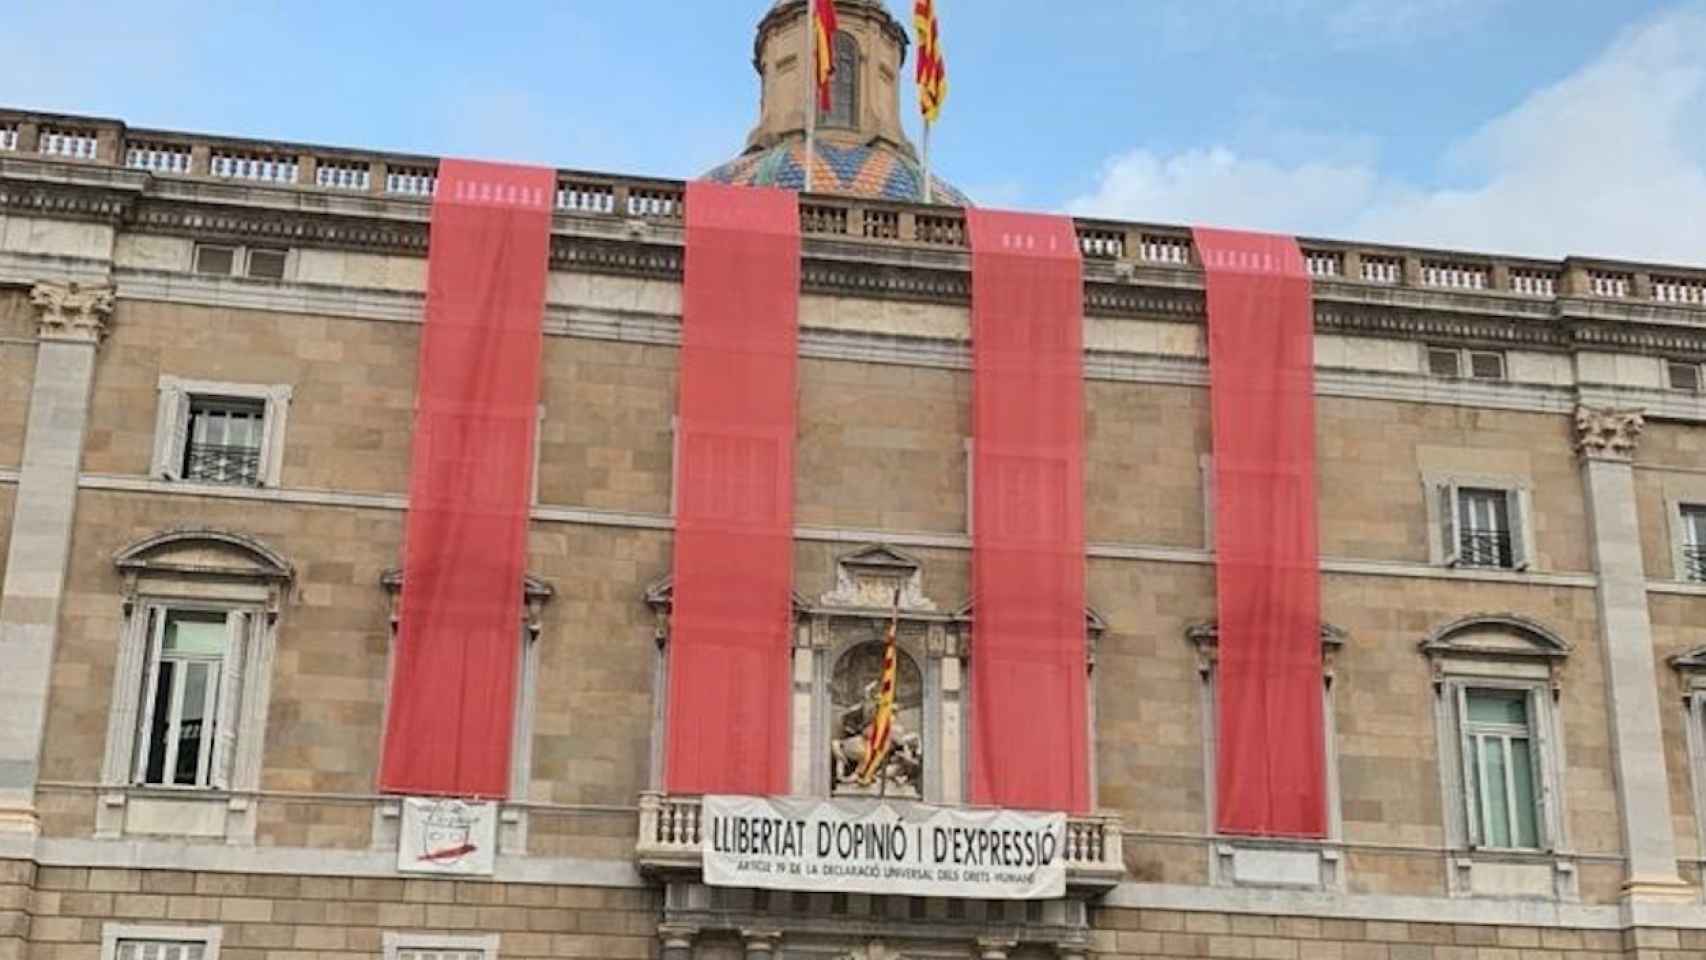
(730, 636)
(470, 478)
(1030, 730)
(1269, 750)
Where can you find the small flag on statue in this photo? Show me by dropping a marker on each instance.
(823, 44)
(882, 724)
(932, 73)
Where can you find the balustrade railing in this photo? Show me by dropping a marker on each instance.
(67, 142)
(1484, 548)
(158, 157)
(216, 463)
(54, 137)
(1694, 563)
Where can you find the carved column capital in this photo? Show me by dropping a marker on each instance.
(1607, 433)
(994, 948)
(676, 940)
(72, 311)
(760, 944)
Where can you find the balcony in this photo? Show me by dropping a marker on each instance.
(1694, 563)
(216, 463)
(671, 838)
(1485, 548)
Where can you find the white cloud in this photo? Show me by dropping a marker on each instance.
(1610, 161)
(1382, 23)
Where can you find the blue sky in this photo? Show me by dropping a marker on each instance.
(1544, 127)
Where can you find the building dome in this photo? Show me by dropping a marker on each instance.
(873, 171)
(860, 148)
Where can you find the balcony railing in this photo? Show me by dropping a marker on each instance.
(1484, 548)
(1694, 563)
(671, 837)
(213, 463)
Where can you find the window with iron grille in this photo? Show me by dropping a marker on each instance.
(1693, 559)
(1482, 523)
(1484, 528)
(161, 950)
(224, 433)
(425, 946)
(224, 443)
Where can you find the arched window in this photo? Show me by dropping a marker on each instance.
(843, 85)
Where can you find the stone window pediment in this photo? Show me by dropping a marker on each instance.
(192, 685)
(1094, 627)
(1500, 643)
(535, 593)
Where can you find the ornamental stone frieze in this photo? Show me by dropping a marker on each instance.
(1606, 433)
(72, 311)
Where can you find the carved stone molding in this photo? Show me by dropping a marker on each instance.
(1606, 433)
(72, 311)
(1507, 637)
(535, 593)
(1205, 637)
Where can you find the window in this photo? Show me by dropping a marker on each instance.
(843, 85)
(221, 433)
(1498, 680)
(1453, 362)
(263, 263)
(423, 946)
(190, 696)
(1482, 523)
(126, 941)
(191, 686)
(224, 443)
(1499, 766)
(1683, 377)
(1690, 541)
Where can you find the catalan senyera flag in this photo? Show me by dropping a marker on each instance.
(823, 44)
(932, 73)
(882, 725)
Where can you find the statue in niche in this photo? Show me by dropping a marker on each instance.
(853, 696)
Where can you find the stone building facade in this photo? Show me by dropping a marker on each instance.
(207, 361)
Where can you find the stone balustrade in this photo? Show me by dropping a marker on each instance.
(671, 834)
(1105, 244)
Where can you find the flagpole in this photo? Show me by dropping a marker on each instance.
(927, 126)
(809, 63)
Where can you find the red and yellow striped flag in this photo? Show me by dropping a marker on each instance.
(824, 46)
(882, 725)
(932, 65)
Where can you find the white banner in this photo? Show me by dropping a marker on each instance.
(447, 837)
(872, 846)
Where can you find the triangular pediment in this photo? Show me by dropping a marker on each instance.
(1690, 661)
(880, 557)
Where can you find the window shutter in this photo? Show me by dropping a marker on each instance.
(1450, 539)
(1516, 500)
(150, 684)
(230, 698)
(174, 432)
(1466, 755)
(1540, 762)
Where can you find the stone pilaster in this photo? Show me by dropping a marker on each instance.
(72, 321)
(1605, 441)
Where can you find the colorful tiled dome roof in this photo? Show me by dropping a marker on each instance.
(876, 171)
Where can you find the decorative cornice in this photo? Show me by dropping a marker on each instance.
(64, 201)
(72, 311)
(292, 227)
(1606, 433)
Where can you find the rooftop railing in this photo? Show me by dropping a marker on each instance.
(1104, 243)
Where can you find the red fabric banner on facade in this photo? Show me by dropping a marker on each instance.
(470, 481)
(1269, 753)
(1030, 729)
(730, 634)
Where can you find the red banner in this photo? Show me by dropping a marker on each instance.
(470, 481)
(1030, 728)
(730, 636)
(1269, 751)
